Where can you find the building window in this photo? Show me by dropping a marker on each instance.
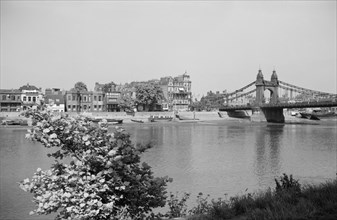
(24, 98)
(95, 107)
(99, 107)
(69, 97)
(3, 97)
(73, 98)
(74, 107)
(18, 98)
(84, 98)
(29, 99)
(69, 107)
(95, 98)
(99, 98)
(34, 99)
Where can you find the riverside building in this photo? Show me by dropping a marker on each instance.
(30, 96)
(54, 98)
(78, 101)
(10, 100)
(177, 91)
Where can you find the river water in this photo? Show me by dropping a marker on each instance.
(220, 158)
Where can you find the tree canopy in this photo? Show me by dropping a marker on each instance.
(209, 102)
(109, 87)
(80, 86)
(148, 94)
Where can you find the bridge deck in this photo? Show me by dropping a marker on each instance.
(282, 105)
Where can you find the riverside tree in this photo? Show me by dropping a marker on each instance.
(148, 94)
(103, 177)
(80, 86)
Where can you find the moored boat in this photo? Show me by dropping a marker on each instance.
(109, 120)
(317, 114)
(114, 120)
(160, 118)
(137, 120)
(20, 122)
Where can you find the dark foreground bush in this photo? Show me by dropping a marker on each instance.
(288, 201)
(104, 179)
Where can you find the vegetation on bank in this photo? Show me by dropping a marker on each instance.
(105, 180)
(289, 200)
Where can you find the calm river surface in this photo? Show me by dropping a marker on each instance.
(216, 157)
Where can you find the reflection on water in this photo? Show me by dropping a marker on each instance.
(268, 146)
(216, 158)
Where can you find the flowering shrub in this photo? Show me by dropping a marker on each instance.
(177, 207)
(104, 179)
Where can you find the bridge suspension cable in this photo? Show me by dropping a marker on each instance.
(301, 90)
(240, 90)
(295, 90)
(241, 95)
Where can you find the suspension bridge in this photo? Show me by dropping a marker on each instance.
(272, 106)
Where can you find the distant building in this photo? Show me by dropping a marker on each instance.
(98, 101)
(111, 100)
(78, 101)
(10, 100)
(54, 98)
(30, 96)
(177, 91)
(110, 95)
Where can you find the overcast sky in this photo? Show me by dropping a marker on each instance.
(221, 44)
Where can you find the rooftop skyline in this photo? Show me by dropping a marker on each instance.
(221, 44)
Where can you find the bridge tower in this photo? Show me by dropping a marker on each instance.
(259, 83)
(274, 88)
(271, 86)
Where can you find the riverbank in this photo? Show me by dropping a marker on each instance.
(144, 116)
(139, 116)
(289, 200)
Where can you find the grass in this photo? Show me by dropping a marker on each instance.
(289, 200)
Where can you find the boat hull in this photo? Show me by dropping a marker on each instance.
(158, 118)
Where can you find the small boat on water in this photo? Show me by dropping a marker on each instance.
(114, 120)
(308, 116)
(160, 118)
(109, 120)
(317, 114)
(20, 122)
(137, 120)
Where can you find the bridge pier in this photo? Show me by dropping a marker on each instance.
(273, 114)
